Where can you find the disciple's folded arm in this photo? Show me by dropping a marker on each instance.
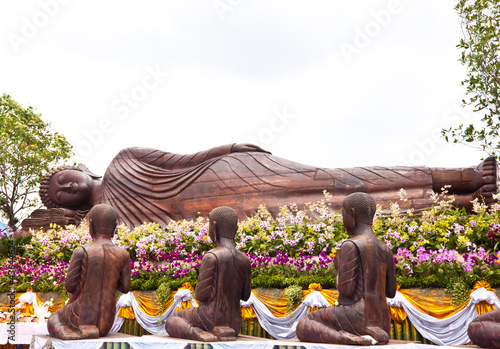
(390, 277)
(247, 283)
(205, 289)
(349, 269)
(72, 283)
(124, 280)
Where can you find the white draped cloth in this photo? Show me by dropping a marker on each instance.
(448, 331)
(278, 327)
(153, 342)
(152, 324)
(30, 298)
(444, 332)
(284, 327)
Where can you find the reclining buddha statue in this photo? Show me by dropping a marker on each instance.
(150, 185)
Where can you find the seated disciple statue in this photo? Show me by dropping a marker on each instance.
(225, 278)
(95, 272)
(484, 331)
(149, 185)
(366, 276)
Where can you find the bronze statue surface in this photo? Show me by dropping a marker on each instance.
(484, 331)
(366, 276)
(149, 185)
(95, 272)
(224, 279)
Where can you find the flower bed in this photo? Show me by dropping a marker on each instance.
(441, 247)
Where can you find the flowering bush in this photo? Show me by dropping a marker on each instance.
(57, 244)
(442, 226)
(296, 247)
(31, 274)
(443, 240)
(180, 241)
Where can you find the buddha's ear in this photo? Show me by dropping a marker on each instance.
(353, 214)
(85, 170)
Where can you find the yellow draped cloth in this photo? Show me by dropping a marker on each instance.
(331, 296)
(278, 306)
(55, 307)
(149, 306)
(437, 307)
(397, 314)
(247, 312)
(483, 307)
(28, 310)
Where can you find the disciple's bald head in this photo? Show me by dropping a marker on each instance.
(225, 222)
(102, 220)
(362, 204)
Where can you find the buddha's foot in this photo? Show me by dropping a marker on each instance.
(487, 180)
(225, 333)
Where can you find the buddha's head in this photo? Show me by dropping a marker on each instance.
(358, 208)
(68, 187)
(223, 223)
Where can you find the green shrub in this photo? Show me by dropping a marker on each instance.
(280, 281)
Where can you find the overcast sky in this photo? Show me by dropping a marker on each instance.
(325, 83)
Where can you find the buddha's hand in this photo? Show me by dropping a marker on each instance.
(70, 215)
(245, 148)
(59, 216)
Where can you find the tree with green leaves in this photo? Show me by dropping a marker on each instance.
(480, 54)
(28, 149)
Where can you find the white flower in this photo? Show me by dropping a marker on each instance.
(402, 195)
(477, 207)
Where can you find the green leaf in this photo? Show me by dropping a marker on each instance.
(28, 149)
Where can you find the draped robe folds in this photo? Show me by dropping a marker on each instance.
(225, 278)
(149, 185)
(366, 276)
(95, 272)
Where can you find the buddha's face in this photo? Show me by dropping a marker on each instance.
(70, 188)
